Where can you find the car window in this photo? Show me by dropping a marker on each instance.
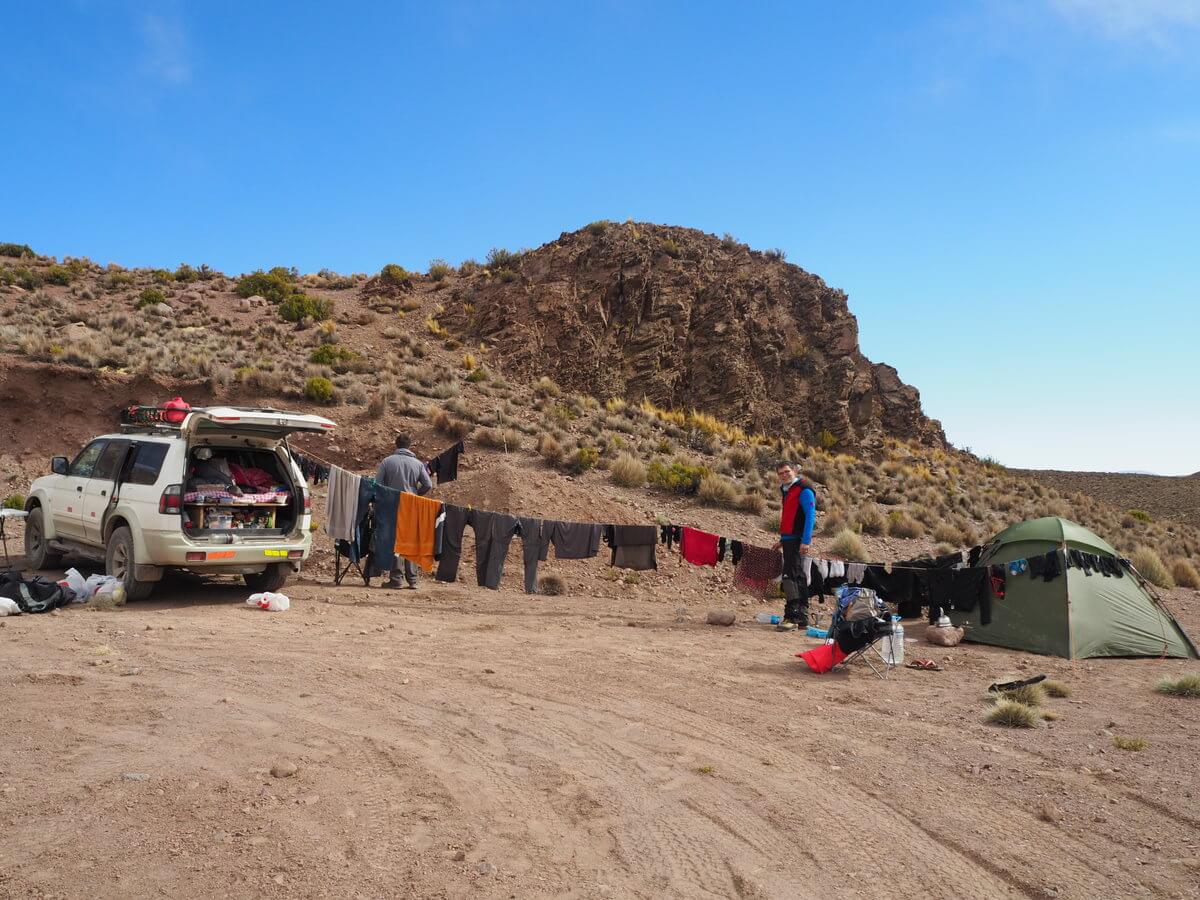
(147, 464)
(85, 462)
(106, 465)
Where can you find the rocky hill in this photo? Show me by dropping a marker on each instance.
(690, 321)
(1159, 496)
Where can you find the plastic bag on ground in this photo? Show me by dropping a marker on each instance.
(269, 601)
(9, 607)
(74, 582)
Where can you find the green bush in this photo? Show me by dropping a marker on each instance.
(1140, 514)
(150, 297)
(22, 276)
(848, 545)
(59, 275)
(186, 274)
(439, 269)
(319, 390)
(671, 247)
(826, 439)
(1151, 567)
(332, 355)
(393, 275)
(676, 476)
(298, 307)
(14, 501)
(17, 251)
(117, 280)
(276, 285)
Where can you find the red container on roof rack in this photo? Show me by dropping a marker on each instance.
(176, 410)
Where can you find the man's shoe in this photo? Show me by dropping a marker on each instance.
(785, 625)
(412, 585)
(392, 584)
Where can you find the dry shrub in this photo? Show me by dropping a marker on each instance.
(546, 387)
(507, 439)
(1132, 744)
(871, 520)
(447, 425)
(1183, 686)
(1026, 694)
(716, 490)
(848, 546)
(552, 585)
(1151, 567)
(1011, 714)
(1185, 574)
(549, 449)
(1055, 689)
(628, 471)
(902, 526)
(752, 502)
(946, 533)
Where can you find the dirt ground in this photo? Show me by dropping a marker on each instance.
(454, 742)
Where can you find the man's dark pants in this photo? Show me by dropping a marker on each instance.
(795, 588)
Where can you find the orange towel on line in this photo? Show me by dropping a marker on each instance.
(416, 521)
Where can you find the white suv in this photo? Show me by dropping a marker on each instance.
(164, 493)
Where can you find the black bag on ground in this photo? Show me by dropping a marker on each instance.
(36, 595)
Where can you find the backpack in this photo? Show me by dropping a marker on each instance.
(36, 595)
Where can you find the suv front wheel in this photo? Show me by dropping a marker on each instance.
(38, 554)
(119, 562)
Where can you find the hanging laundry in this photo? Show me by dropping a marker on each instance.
(535, 546)
(632, 546)
(383, 543)
(973, 556)
(417, 522)
(360, 545)
(445, 464)
(341, 504)
(854, 572)
(574, 540)
(1047, 567)
(493, 533)
(938, 585)
(756, 568)
(314, 472)
(1018, 567)
(453, 525)
(670, 535)
(949, 560)
(968, 590)
(837, 568)
(700, 548)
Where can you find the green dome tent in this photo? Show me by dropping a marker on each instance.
(1076, 615)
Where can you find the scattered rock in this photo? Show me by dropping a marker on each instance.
(76, 332)
(720, 617)
(134, 776)
(163, 310)
(489, 671)
(484, 867)
(459, 855)
(1050, 813)
(285, 768)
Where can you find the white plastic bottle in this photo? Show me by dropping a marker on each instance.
(893, 648)
(766, 618)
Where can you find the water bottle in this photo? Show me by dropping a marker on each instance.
(768, 619)
(893, 647)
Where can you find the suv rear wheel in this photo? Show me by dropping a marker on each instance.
(119, 562)
(272, 578)
(38, 554)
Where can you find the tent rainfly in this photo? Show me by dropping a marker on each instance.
(1075, 615)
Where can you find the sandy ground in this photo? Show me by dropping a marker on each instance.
(452, 742)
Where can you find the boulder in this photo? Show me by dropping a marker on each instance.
(77, 331)
(165, 310)
(720, 617)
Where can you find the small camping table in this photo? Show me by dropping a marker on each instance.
(5, 515)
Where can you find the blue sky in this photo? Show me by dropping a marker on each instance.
(1008, 191)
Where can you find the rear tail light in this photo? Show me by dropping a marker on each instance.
(295, 554)
(195, 556)
(307, 501)
(171, 501)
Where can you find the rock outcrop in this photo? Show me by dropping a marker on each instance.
(689, 320)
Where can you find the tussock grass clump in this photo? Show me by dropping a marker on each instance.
(1026, 694)
(1050, 715)
(1151, 567)
(439, 269)
(848, 546)
(1132, 744)
(1055, 689)
(752, 502)
(1011, 714)
(546, 387)
(552, 585)
(1183, 686)
(507, 439)
(1185, 574)
(628, 471)
(946, 533)
(871, 520)
(549, 449)
(448, 425)
(902, 526)
(717, 491)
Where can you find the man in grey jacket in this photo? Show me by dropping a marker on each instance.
(403, 472)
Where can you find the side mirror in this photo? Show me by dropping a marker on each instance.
(60, 465)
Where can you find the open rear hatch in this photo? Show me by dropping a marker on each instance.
(236, 421)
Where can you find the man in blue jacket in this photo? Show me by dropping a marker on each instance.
(403, 472)
(796, 520)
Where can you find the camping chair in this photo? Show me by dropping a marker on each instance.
(862, 619)
(345, 550)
